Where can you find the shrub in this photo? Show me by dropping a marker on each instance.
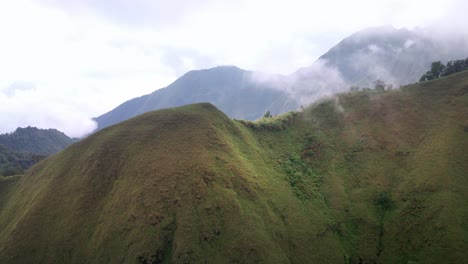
(279, 122)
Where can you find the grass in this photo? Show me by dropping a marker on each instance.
(189, 185)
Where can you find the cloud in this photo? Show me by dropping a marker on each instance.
(17, 86)
(131, 13)
(317, 81)
(89, 56)
(182, 60)
(308, 84)
(30, 107)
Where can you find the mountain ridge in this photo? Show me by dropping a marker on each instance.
(225, 86)
(364, 177)
(396, 56)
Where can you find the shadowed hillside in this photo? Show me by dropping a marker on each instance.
(366, 177)
(226, 87)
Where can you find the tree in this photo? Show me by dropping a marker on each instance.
(379, 85)
(426, 77)
(354, 88)
(437, 69)
(384, 201)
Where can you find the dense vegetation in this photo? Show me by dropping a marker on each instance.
(269, 122)
(438, 69)
(13, 163)
(366, 177)
(36, 141)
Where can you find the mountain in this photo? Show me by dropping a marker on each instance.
(37, 141)
(364, 177)
(397, 56)
(13, 163)
(228, 87)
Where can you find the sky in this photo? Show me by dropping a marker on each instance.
(64, 62)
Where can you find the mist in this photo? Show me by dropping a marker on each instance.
(24, 105)
(397, 57)
(64, 63)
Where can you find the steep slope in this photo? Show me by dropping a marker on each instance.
(36, 141)
(366, 177)
(229, 88)
(397, 56)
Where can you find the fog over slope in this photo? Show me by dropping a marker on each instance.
(396, 56)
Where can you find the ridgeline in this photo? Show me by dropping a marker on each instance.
(365, 177)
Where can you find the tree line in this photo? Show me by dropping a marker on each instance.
(378, 86)
(438, 69)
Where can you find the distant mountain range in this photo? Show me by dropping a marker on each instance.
(23, 148)
(396, 56)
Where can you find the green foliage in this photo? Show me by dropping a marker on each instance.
(13, 163)
(379, 85)
(267, 114)
(384, 201)
(303, 181)
(438, 69)
(36, 141)
(279, 122)
(353, 88)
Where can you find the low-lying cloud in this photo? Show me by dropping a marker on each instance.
(82, 58)
(306, 85)
(23, 105)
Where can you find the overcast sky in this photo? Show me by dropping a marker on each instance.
(64, 62)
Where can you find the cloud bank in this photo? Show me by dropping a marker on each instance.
(69, 61)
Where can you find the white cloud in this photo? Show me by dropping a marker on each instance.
(17, 86)
(86, 57)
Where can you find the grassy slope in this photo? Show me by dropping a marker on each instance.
(189, 185)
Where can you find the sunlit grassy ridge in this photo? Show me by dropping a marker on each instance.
(364, 177)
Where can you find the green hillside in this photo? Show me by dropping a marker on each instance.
(367, 177)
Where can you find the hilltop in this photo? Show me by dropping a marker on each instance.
(364, 177)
